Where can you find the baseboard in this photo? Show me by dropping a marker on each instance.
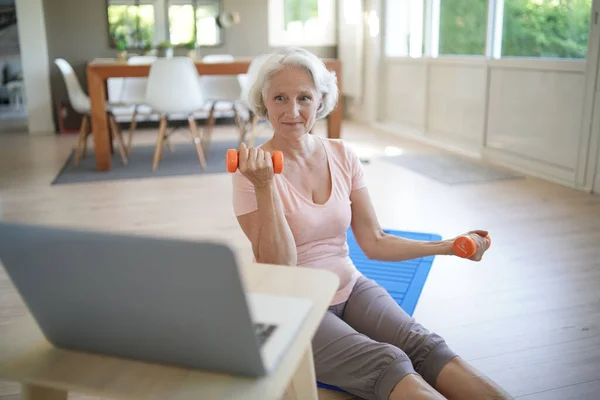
(550, 173)
(437, 141)
(534, 168)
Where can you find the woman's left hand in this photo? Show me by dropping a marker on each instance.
(479, 236)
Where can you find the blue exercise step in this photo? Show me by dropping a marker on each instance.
(404, 280)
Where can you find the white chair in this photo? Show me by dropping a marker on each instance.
(130, 94)
(16, 92)
(134, 93)
(81, 103)
(246, 81)
(174, 88)
(223, 92)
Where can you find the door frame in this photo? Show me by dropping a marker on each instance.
(31, 27)
(590, 123)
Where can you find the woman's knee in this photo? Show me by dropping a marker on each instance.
(431, 356)
(393, 372)
(370, 370)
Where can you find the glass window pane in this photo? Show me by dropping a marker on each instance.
(181, 24)
(546, 28)
(300, 10)
(121, 23)
(208, 33)
(463, 27)
(146, 25)
(404, 28)
(134, 24)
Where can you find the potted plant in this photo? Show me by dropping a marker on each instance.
(148, 50)
(165, 49)
(192, 51)
(122, 49)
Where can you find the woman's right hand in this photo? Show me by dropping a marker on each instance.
(256, 165)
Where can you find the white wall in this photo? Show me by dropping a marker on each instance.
(597, 181)
(456, 103)
(34, 56)
(595, 143)
(404, 98)
(523, 114)
(534, 119)
(350, 48)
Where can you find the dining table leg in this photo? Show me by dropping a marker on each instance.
(102, 140)
(334, 120)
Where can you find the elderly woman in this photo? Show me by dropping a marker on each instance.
(366, 344)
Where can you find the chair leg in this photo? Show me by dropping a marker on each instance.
(162, 129)
(87, 134)
(116, 134)
(253, 130)
(197, 139)
(210, 123)
(168, 143)
(131, 131)
(81, 141)
(241, 127)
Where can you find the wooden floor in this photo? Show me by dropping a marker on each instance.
(528, 315)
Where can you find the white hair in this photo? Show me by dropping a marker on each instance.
(325, 81)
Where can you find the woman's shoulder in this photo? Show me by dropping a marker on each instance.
(340, 149)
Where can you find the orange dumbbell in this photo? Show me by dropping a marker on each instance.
(232, 161)
(465, 246)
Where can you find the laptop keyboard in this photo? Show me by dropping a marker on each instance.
(263, 332)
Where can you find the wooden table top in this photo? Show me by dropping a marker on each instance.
(26, 357)
(109, 67)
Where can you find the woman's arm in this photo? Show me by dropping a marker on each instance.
(266, 227)
(378, 245)
(268, 230)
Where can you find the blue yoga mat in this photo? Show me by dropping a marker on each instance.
(404, 280)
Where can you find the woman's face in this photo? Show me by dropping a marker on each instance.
(292, 101)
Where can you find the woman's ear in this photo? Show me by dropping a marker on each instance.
(321, 103)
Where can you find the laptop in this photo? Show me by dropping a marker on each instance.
(152, 299)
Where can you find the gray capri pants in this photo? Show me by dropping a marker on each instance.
(367, 344)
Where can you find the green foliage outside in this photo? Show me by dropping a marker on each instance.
(547, 28)
(463, 27)
(132, 24)
(300, 10)
(532, 28)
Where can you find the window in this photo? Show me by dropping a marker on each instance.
(181, 23)
(405, 27)
(302, 23)
(490, 28)
(463, 27)
(189, 19)
(145, 23)
(207, 31)
(546, 28)
(132, 22)
(300, 11)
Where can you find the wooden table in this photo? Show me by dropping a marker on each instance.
(98, 71)
(48, 373)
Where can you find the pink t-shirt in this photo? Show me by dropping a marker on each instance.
(319, 230)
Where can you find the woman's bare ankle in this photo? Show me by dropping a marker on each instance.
(459, 380)
(414, 387)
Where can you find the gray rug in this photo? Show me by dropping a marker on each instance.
(182, 161)
(451, 169)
